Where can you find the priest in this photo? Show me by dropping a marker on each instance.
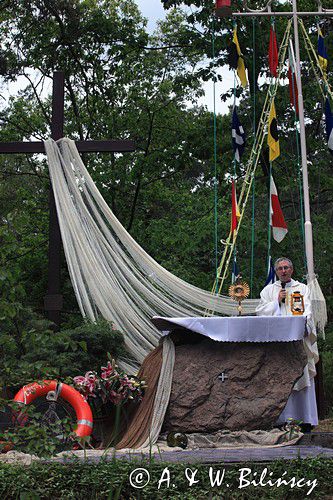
(279, 299)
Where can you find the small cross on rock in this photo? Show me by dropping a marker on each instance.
(223, 376)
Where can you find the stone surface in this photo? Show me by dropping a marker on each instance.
(259, 380)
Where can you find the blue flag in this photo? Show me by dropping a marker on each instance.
(238, 136)
(271, 273)
(329, 125)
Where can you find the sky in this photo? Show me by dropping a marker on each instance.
(153, 11)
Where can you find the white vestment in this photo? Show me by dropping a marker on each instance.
(269, 306)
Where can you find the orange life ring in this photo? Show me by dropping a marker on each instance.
(30, 392)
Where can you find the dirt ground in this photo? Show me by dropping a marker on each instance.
(324, 425)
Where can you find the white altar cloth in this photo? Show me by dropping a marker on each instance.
(239, 328)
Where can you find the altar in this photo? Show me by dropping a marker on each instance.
(236, 373)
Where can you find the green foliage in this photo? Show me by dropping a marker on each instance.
(111, 480)
(30, 350)
(35, 436)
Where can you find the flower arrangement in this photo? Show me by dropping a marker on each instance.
(293, 427)
(111, 386)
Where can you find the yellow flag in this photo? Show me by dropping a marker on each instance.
(273, 136)
(322, 52)
(240, 64)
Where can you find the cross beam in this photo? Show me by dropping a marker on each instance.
(53, 300)
(82, 146)
(281, 14)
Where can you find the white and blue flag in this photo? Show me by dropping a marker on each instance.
(271, 273)
(238, 136)
(329, 125)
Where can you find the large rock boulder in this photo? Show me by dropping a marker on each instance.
(258, 379)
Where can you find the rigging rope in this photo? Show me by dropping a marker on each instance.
(254, 135)
(253, 161)
(215, 159)
(299, 167)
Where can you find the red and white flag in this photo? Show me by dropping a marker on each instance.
(279, 226)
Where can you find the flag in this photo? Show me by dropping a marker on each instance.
(322, 53)
(235, 58)
(293, 89)
(235, 271)
(271, 272)
(279, 226)
(238, 136)
(273, 136)
(273, 55)
(235, 215)
(223, 8)
(329, 125)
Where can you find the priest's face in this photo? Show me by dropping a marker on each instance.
(284, 271)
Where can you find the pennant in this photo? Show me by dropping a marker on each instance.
(223, 8)
(271, 276)
(235, 271)
(322, 53)
(273, 54)
(238, 136)
(235, 214)
(273, 136)
(236, 60)
(329, 125)
(293, 89)
(279, 226)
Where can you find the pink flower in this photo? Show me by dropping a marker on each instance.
(79, 380)
(88, 384)
(107, 370)
(115, 397)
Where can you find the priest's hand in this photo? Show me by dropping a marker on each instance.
(282, 295)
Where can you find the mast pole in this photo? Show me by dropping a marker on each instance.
(307, 223)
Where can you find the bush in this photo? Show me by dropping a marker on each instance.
(30, 350)
(112, 480)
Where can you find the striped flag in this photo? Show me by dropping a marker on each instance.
(238, 136)
(279, 226)
(235, 214)
(273, 135)
(273, 55)
(236, 59)
(329, 125)
(322, 53)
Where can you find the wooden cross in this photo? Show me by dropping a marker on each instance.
(53, 299)
(223, 377)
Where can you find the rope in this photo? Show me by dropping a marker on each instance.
(317, 69)
(215, 161)
(299, 174)
(254, 135)
(253, 160)
(235, 173)
(269, 231)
